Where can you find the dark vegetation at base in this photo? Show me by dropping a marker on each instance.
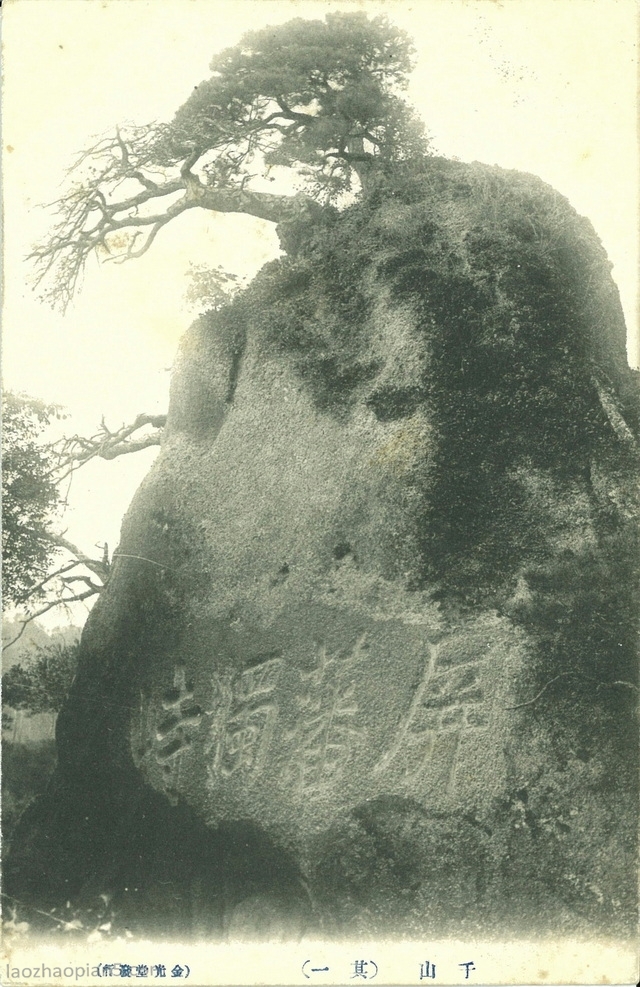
(40, 681)
(391, 868)
(26, 770)
(161, 869)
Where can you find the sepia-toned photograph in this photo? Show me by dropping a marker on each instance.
(321, 425)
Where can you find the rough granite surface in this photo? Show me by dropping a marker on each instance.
(367, 661)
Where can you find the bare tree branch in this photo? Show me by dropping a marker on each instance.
(100, 567)
(75, 598)
(269, 102)
(72, 452)
(95, 218)
(33, 590)
(68, 580)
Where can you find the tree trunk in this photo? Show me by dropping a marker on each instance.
(263, 205)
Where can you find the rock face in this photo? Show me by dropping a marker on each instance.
(366, 660)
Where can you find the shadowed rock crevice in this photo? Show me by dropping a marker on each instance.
(162, 871)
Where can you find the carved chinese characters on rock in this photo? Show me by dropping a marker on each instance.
(448, 705)
(177, 723)
(327, 720)
(307, 720)
(244, 720)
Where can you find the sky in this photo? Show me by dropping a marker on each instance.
(542, 86)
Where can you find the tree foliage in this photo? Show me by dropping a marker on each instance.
(30, 495)
(42, 569)
(210, 288)
(41, 681)
(320, 97)
(309, 93)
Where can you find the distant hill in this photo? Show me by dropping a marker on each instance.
(33, 637)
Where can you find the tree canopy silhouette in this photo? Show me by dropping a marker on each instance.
(319, 97)
(30, 495)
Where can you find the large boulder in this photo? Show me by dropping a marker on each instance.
(365, 663)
